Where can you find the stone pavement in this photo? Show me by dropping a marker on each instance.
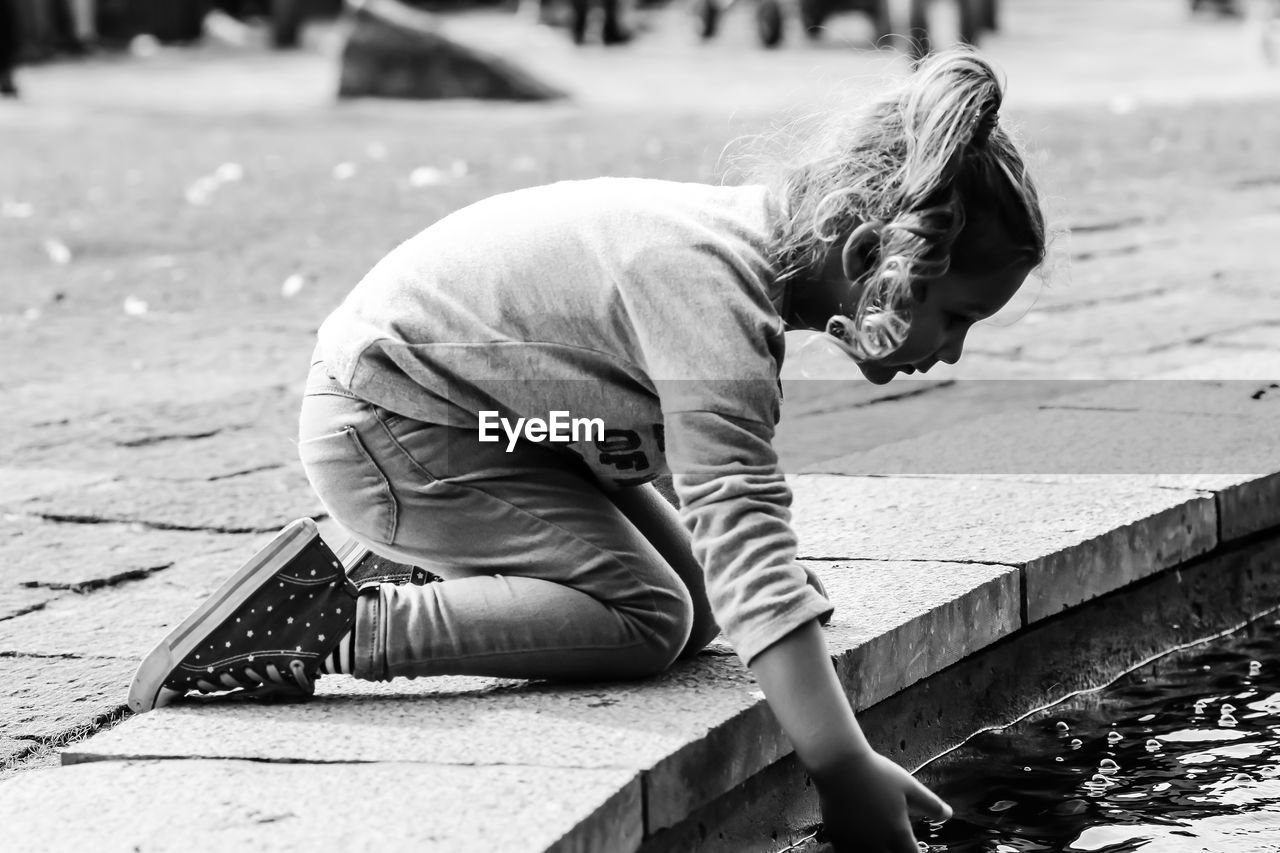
(149, 448)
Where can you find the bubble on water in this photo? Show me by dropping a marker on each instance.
(1255, 667)
(1227, 721)
(1108, 766)
(1146, 718)
(1062, 727)
(1114, 737)
(57, 251)
(1241, 778)
(1200, 705)
(1057, 758)
(1161, 786)
(1227, 707)
(1075, 743)
(1026, 770)
(1205, 668)
(1002, 805)
(1096, 785)
(1153, 745)
(344, 171)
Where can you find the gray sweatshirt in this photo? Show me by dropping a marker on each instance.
(650, 305)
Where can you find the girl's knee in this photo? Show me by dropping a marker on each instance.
(699, 638)
(666, 631)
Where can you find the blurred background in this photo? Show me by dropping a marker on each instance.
(187, 187)
(707, 54)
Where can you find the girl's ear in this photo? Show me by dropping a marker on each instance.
(860, 249)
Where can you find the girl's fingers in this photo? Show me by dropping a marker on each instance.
(926, 803)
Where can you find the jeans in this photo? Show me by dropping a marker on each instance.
(545, 574)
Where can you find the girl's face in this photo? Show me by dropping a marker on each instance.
(946, 309)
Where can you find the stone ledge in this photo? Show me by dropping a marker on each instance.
(1015, 547)
(682, 731)
(262, 806)
(1080, 650)
(1148, 433)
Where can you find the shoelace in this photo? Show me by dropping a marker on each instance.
(254, 686)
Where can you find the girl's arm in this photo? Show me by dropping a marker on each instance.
(866, 798)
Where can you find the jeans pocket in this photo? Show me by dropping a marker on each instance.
(350, 484)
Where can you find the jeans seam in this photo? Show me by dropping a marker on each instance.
(541, 650)
(386, 429)
(393, 520)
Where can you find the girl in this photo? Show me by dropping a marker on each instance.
(651, 315)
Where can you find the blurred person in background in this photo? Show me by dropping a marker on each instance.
(82, 25)
(9, 42)
(1229, 8)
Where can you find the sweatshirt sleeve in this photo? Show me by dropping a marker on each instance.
(736, 503)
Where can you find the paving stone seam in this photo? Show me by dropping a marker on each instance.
(148, 440)
(87, 586)
(864, 404)
(1238, 346)
(1083, 304)
(958, 560)
(1195, 340)
(1039, 479)
(14, 762)
(71, 759)
(12, 653)
(1136, 410)
(159, 525)
(231, 476)
(100, 722)
(23, 612)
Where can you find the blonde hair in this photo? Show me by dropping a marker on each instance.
(918, 162)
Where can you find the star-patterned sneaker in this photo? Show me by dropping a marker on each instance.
(365, 568)
(265, 631)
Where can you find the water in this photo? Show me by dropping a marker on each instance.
(1180, 755)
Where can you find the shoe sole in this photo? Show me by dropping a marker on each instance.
(148, 690)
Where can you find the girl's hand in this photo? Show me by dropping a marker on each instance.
(867, 803)
(866, 798)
